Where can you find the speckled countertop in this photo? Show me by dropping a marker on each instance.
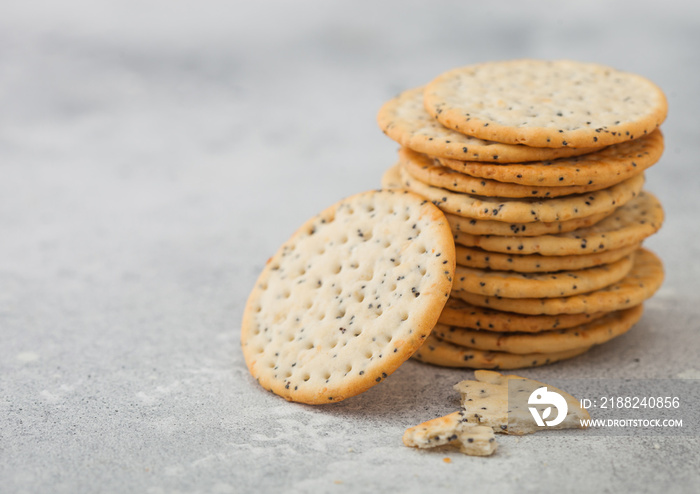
(154, 154)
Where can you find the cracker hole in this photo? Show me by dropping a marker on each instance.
(290, 338)
(327, 375)
(422, 271)
(359, 297)
(386, 244)
(422, 249)
(258, 308)
(308, 304)
(338, 268)
(368, 354)
(340, 314)
(404, 316)
(344, 239)
(348, 368)
(258, 349)
(357, 333)
(306, 377)
(309, 345)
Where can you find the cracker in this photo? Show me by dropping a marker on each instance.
(548, 104)
(501, 402)
(503, 228)
(640, 284)
(527, 210)
(439, 352)
(536, 263)
(603, 168)
(453, 429)
(594, 333)
(629, 225)
(459, 313)
(529, 285)
(405, 120)
(349, 297)
(392, 180)
(428, 171)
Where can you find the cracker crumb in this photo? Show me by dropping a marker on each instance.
(447, 460)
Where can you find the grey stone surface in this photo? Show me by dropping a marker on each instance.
(154, 154)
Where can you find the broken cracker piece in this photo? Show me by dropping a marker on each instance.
(486, 402)
(454, 429)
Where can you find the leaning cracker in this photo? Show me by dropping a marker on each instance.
(439, 352)
(641, 283)
(542, 285)
(405, 120)
(459, 313)
(487, 401)
(349, 297)
(599, 331)
(527, 210)
(548, 104)
(429, 171)
(603, 168)
(454, 429)
(536, 263)
(392, 180)
(628, 225)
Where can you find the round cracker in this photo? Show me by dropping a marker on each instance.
(548, 104)
(459, 313)
(527, 210)
(536, 263)
(594, 333)
(641, 283)
(503, 228)
(541, 285)
(429, 171)
(602, 169)
(439, 352)
(392, 180)
(628, 225)
(405, 120)
(349, 297)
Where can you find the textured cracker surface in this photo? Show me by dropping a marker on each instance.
(427, 170)
(527, 210)
(349, 297)
(460, 224)
(455, 429)
(486, 402)
(536, 263)
(628, 225)
(439, 352)
(546, 103)
(521, 285)
(459, 313)
(405, 120)
(391, 179)
(593, 333)
(641, 283)
(600, 169)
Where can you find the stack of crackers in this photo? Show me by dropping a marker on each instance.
(538, 167)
